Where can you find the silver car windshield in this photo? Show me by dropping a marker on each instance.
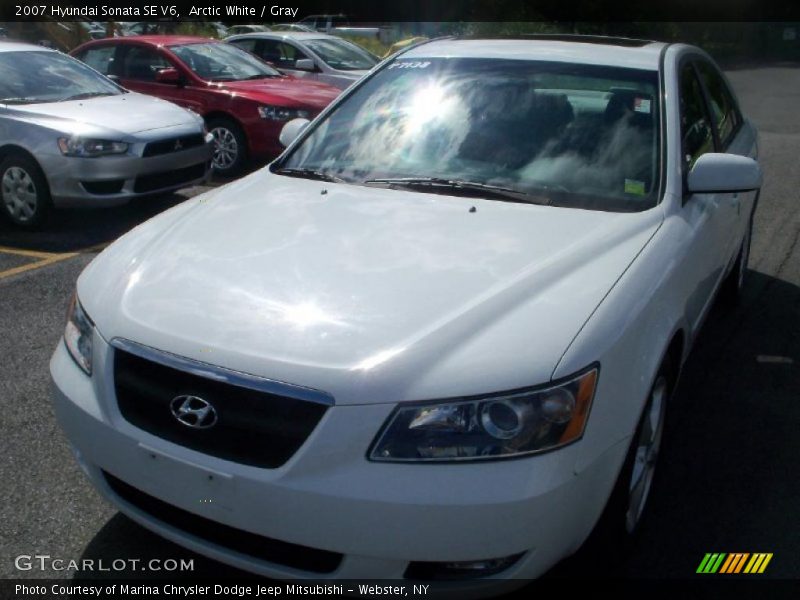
(30, 77)
(341, 55)
(222, 62)
(564, 134)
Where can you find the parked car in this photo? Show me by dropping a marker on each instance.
(244, 101)
(341, 25)
(314, 56)
(291, 27)
(69, 136)
(133, 28)
(238, 29)
(451, 314)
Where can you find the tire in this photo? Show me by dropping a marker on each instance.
(732, 287)
(614, 533)
(230, 146)
(24, 193)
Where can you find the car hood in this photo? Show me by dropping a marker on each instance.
(124, 114)
(281, 89)
(372, 295)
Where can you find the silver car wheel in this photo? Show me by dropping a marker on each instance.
(226, 148)
(19, 194)
(648, 443)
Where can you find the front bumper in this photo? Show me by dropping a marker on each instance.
(113, 180)
(380, 517)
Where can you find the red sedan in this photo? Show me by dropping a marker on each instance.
(244, 101)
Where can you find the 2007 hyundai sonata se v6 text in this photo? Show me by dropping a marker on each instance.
(437, 337)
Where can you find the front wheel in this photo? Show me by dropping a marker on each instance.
(614, 532)
(230, 146)
(24, 193)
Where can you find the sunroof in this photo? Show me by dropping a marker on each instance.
(581, 39)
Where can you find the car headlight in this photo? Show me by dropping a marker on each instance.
(490, 427)
(78, 335)
(281, 113)
(77, 146)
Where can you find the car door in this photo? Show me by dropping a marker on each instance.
(709, 216)
(735, 137)
(137, 71)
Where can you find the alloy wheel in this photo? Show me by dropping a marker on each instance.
(226, 148)
(648, 444)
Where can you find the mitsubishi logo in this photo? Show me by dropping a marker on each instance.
(193, 412)
(178, 146)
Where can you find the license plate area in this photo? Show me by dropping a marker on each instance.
(184, 483)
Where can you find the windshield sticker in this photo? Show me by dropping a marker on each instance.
(634, 186)
(409, 65)
(642, 105)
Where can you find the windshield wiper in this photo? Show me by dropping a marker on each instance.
(84, 95)
(21, 100)
(473, 188)
(309, 174)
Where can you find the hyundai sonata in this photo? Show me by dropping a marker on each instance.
(435, 339)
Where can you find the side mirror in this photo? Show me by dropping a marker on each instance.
(305, 64)
(169, 76)
(291, 130)
(717, 172)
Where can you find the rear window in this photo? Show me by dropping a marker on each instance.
(100, 58)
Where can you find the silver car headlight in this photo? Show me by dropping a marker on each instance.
(491, 427)
(281, 113)
(89, 148)
(78, 335)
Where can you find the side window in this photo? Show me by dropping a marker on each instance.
(696, 133)
(723, 108)
(290, 55)
(282, 55)
(142, 64)
(100, 59)
(246, 44)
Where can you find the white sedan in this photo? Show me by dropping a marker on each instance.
(437, 337)
(316, 56)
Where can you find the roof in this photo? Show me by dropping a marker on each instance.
(637, 54)
(9, 46)
(290, 35)
(158, 40)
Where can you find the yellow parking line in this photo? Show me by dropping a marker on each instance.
(35, 265)
(45, 258)
(28, 253)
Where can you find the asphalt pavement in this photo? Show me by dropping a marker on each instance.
(729, 478)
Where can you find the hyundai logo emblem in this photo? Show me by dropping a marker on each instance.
(193, 412)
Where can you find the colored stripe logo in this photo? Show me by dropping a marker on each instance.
(736, 562)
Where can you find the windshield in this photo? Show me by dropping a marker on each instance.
(579, 135)
(341, 55)
(222, 62)
(30, 77)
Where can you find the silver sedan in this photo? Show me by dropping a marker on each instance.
(69, 136)
(313, 55)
